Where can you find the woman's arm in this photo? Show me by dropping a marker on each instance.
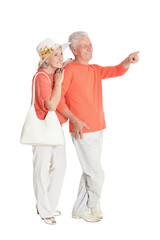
(52, 103)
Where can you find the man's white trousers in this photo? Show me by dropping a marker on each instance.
(49, 164)
(89, 153)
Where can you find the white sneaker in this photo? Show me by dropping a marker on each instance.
(97, 212)
(88, 218)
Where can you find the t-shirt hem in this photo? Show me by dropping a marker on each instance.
(90, 130)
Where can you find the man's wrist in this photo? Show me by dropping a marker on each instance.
(67, 113)
(73, 118)
(126, 63)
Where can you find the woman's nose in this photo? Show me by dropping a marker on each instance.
(61, 57)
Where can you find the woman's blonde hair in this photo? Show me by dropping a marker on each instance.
(44, 65)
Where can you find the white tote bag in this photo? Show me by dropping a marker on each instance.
(47, 132)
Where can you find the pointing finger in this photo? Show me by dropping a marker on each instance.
(135, 53)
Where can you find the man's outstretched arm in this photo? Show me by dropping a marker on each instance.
(120, 69)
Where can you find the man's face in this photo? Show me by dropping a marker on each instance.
(84, 49)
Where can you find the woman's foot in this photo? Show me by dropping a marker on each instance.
(50, 220)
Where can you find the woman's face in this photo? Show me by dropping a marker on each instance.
(55, 60)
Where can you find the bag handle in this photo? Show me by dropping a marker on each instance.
(33, 90)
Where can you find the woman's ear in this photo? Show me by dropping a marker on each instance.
(48, 60)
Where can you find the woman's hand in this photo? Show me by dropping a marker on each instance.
(58, 76)
(69, 60)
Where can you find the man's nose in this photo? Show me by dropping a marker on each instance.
(90, 48)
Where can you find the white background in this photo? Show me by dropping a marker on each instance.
(131, 148)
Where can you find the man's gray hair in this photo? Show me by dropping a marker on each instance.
(74, 36)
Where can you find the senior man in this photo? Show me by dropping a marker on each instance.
(81, 102)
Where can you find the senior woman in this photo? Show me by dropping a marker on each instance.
(49, 162)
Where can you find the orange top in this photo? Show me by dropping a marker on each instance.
(82, 93)
(43, 91)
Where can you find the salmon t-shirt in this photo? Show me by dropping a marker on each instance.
(82, 93)
(43, 90)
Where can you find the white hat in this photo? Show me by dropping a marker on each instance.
(48, 46)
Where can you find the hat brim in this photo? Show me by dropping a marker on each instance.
(63, 46)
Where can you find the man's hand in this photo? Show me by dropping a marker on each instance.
(78, 126)
(132, 58)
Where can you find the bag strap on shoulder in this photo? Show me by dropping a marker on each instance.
(33, 90)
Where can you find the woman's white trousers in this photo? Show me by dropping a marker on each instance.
(49, 164)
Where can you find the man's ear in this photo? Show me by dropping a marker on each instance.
(74, 51)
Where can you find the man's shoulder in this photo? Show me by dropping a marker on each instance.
(69, 66)
(94, 65)
(73, 65)
(74, 68)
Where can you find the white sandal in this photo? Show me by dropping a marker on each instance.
(50, 221)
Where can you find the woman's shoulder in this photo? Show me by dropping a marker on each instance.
(41, 74)
(41, 77)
